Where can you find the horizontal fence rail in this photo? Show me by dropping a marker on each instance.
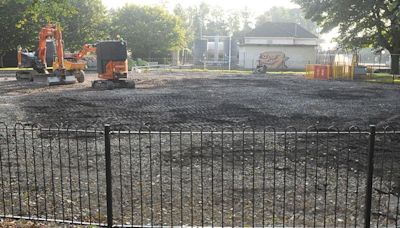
(178, 177)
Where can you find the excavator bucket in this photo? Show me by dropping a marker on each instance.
(61, 80)
(66, 77)
(25, 75)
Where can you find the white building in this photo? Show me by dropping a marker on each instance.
(278, 46)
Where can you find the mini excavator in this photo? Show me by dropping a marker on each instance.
(112, 64)
(64, 71)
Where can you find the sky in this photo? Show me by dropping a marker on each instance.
(256, 6)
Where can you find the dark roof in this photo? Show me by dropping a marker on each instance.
(280, 29)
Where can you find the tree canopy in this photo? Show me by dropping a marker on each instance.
(82, 21)
(11, 37)
(374, 23)
(205, 19)
(150, 31)
(281, 14)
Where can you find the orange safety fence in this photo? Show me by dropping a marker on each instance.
(329, 72)
(309, 71)
(343, 72)
(319, 71)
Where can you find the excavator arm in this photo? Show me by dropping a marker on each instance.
(51, 31)
(87, 48)
(19, 55)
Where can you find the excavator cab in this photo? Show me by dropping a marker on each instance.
(112, 65)
(110, 54)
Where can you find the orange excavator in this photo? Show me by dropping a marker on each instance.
(64, 71)
(112, 64)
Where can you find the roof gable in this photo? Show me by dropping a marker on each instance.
(280, 29)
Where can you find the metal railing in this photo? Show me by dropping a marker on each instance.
(179, 177)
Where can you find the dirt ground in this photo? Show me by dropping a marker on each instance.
(203, 100)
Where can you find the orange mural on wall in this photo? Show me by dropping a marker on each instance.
(273, 60)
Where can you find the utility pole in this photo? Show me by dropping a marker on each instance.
(230, 52)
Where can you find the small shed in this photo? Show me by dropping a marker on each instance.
(279, 46)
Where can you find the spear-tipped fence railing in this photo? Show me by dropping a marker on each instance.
(182, 177)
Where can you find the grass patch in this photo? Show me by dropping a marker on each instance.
(384, 78)
(382, 75)
(208, 70)
(243, 72)
(16, 68)
(288, 72)
(13, 69)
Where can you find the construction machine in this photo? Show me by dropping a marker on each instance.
(64, 71)
(260, 69)
(112, 64)
(29, 65)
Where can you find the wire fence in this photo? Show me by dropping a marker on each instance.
(182, 177)
(341, 65)
(222, 64)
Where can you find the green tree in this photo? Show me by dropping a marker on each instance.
(213, 20)
(150, 31)
(234, 22)
(282, 14)
(82, 21)
(88, 24)
(11, 12)
(187, 21)
(374, 23)
(217, 22)
(246, 20)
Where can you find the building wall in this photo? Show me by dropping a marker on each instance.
(281, 41)
(296, 56)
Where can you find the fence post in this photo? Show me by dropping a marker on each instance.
(108, 175)
(370, 174)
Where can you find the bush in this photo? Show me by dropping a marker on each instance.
(138, 62)
(141, 62)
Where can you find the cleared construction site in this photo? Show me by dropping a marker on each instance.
(167, 114)
(190, 99)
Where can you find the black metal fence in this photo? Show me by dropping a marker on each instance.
(226, 177)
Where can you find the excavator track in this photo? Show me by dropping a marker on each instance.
(113, 84)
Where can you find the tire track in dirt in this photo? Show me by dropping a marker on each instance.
(203, 100)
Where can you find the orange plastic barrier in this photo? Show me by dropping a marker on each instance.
(329, 72)
(317, 71)
(341, 72)
(310, 71)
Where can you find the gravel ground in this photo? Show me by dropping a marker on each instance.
(204, 100)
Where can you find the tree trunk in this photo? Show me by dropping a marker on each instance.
(395, 63)
(1, 60)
